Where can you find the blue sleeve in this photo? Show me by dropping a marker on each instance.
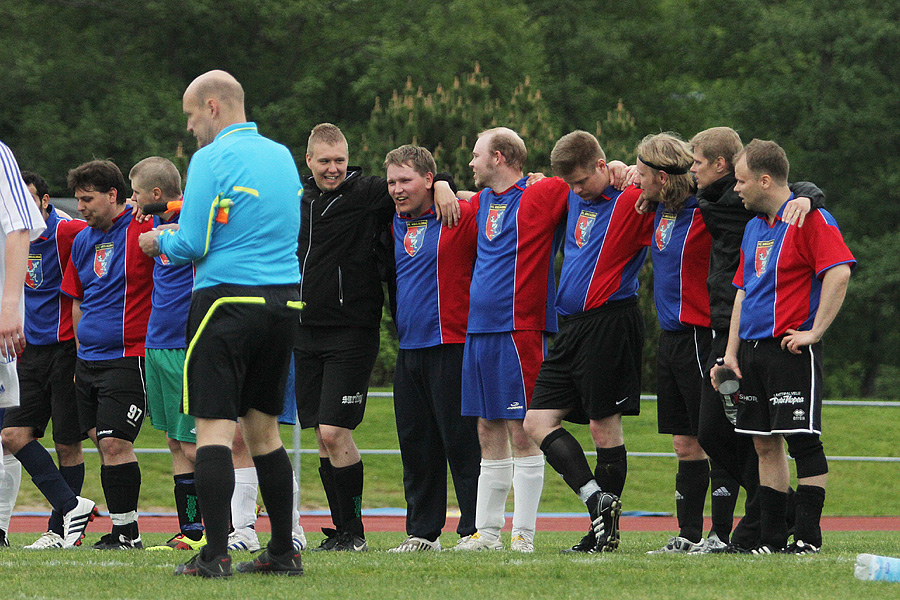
(197, 218)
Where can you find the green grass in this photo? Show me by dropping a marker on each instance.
(628, 573)
(855, 488)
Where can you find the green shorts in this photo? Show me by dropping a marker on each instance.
(165, 374)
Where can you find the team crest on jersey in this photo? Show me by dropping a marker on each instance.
(495, 220)
(664, 230)
(164, 260)
(763, 251)
(415, 236)
(583, 228)
(34, 274)
(102, 256)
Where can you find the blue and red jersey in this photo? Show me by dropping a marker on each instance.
(519, 233)
(606, 245)
(434, 272)
(680, 249)
(48, 314)
(113, 279)
(171, 300)
(781, 272)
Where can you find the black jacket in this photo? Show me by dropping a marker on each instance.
(725, 218)
(340, 253)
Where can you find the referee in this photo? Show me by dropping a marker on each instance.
(239, 225)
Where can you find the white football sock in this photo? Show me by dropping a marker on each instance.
(243, 501)
(10, 479)
(494, 481)
(528, 482)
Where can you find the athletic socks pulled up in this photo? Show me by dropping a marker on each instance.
(214, 479)
(691, 485)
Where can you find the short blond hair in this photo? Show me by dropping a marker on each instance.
(157, 172)
(508, 143)
(575, 150)
(417, 157)
(718, 141)
(325, 133)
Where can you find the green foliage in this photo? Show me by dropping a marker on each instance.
(448, 121)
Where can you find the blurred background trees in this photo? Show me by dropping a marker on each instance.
(84, 79)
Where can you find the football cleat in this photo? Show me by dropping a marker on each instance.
(76, 521)
(417, 544)
(265, 562)
(111, 541)
(520, 543)
(218, 567)
(476, 541)
(678, 545)
(244, 538)
(605, 509)
(181, 542)
(48, 539)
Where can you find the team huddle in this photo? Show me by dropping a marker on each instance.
(257, 276)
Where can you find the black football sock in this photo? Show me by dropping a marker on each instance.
(772, 509)
(276, 484)
(214, 480)
(566, 456)
(348, 486)
(691, 485)
(809, 501)
(122, 487)
(723, 499)
(612, 469)
(326, 474)
(187, 506)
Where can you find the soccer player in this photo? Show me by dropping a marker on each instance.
(791, 284)
(733, 461)
(434, 271)
(156, 180)
(110, 282)
(47, 370)
(239, 225)
(20, 224)
(510, 314)
(592, 374)
(680, 251)
(343, 214)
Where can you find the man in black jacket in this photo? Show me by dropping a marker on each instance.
(733, 459)
(343, 214)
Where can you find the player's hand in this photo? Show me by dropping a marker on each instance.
(534, 178)
(794, 340)
(618, 174)
(643, 206)
(796, 210)
(136, 211)
(731, 363)
(149, 242)
(12, 333)
(446, 204)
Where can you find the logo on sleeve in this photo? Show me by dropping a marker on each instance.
(102, 256)
(763, 252)
(664, 230)
(415, 236)
(495, 220)
(34, 274)
(583, 228)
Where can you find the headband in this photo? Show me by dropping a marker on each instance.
(673, 170)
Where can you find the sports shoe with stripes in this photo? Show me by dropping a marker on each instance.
(111, 541)
(520, 543)
(801, 547)
(711, 545)
(416, 544)
(766, 549)
(677, 545)
(476, 541)
(244, 538)
(605, 509)
(76, 521)
(48, 539)
(298, 538)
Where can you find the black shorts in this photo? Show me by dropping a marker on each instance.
(47, 391)
(680, 366)
(780, 392)
(239, 348)
(594, 366)
(111, 396)
(332, 367)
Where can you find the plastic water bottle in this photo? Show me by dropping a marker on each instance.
(871, 567)
(727, 381)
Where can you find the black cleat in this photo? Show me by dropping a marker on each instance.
(766, 549)
(586, 544)
(285, 564)
(330, 541)
(111, 541)
(220, 566)
(350, 542)
(605, 509)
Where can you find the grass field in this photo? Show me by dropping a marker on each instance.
(855, 488)
(628, 574)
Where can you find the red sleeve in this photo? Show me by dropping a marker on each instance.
(71, 285)
(822, 244)
(738, 280)
(65, 235)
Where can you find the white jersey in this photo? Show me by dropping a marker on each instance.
(17, 211)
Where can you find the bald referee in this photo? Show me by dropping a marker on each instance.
(239, 225)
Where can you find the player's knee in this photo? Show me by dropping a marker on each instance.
(687, 448)
(808, 454)
(15, 438)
